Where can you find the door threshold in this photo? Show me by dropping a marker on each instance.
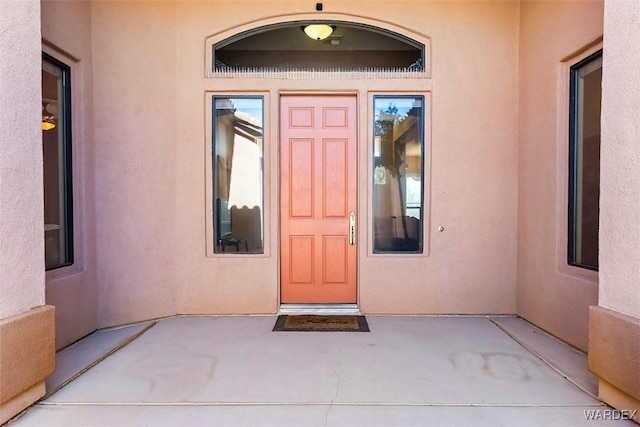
(319, 309)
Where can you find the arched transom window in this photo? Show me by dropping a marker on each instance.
(319, 46)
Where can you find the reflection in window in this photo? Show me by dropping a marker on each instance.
(56, 150)
(398, 175)
(238, 173)
(584, 158)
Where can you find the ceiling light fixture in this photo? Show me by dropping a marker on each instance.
(318, 31)
(48, 119)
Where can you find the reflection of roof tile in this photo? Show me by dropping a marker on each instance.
(246, 117)
(224, 104)
(246, 124)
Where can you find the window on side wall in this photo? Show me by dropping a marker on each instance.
(238, 211)
(56, 150)
(584, 161)
(398, 175)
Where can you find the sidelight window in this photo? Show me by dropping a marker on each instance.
(584, 161)
(238, 211)
(56, 150)
(398, 150)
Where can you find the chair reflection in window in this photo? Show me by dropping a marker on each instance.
(224, 238)
(406, 233)
(397, 234)
(237, 228)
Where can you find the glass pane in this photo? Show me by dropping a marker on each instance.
(585, 159)
(238, 174)
(398, 175)
(56, 157)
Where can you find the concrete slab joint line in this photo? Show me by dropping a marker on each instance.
(112, 351)
(335, 396)
(543, 360)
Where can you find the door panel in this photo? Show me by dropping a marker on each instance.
(318, 191)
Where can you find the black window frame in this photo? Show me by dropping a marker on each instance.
(67, 174)
(574, 76)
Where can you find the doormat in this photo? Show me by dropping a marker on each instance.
(318, 323)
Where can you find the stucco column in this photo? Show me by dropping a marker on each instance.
(27, 353)
(614, 325)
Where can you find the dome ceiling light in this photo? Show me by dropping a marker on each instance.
(318, 31)
(48, 118)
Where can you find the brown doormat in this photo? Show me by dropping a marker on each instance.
(318, 323)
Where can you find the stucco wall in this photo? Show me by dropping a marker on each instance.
(66, 33)
(134, 92)
(149, 103)
(619, 182)
(21, 203)
(26, 326)
(500, 201)
(553, 36)
(123, 162)
(471, 266)
(472, 161)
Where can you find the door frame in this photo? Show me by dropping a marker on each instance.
(321, 307)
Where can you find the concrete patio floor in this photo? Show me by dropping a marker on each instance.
(234, 371)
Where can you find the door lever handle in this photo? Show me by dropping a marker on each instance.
(352, 228)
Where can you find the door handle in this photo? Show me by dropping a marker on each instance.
(352, 228)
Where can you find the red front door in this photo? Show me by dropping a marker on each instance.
(318, 138)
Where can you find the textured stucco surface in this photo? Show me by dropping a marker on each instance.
(22, 401)
(134, 88)
(614, 346)
(550, 294)
(616, 323)
(620, 160)
(27, 351)
(616, 398)
(21, 227)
